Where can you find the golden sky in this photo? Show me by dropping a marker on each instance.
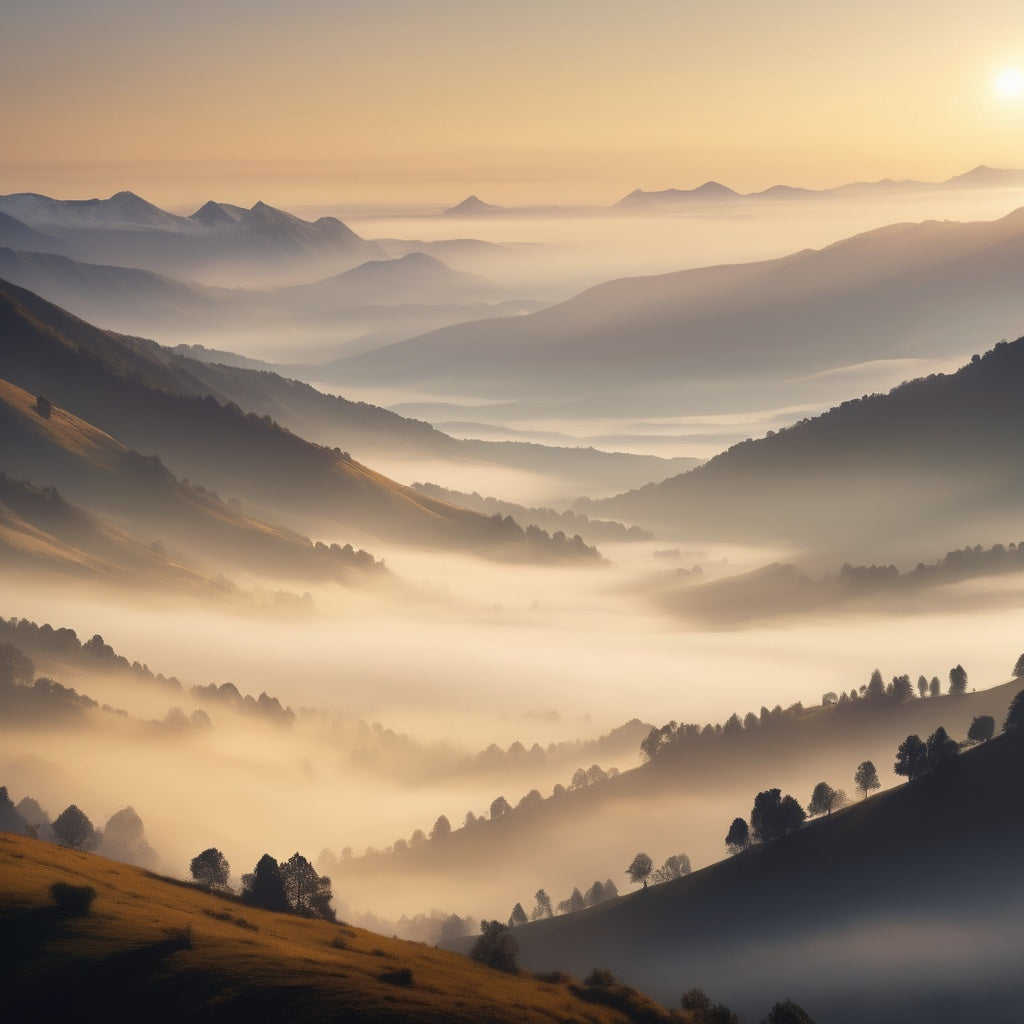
(424, 101)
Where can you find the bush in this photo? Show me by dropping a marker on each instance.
(496, 947)
(400, 976)
(72, 900)
(599, 976)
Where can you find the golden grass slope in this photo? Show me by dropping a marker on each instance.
(154, 950)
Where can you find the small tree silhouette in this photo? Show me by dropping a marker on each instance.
(866, 777)
(640, 869)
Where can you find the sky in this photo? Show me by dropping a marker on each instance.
(396, 102)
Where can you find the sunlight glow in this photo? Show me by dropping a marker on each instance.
(1010, 82)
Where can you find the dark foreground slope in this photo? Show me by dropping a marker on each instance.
(933, 461)
(903, 908)
(157, 951)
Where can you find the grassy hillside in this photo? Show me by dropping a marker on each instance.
(155, 950)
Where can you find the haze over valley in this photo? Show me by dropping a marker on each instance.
(540, 485)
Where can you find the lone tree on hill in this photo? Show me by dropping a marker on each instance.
(640, 869)
(74, 830)
(518, 916)
(983, 728)
(911, 758)
(211, 868)
(738, 838)
(866, 777)
(496, 947)
(957, 681)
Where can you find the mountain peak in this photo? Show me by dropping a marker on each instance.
(472, 205)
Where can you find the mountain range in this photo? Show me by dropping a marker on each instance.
(703, 340)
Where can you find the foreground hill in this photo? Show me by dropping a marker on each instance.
(905, 907)
(701, 340)
(885, 476)
(157, 950)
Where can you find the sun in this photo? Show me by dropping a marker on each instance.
(1010, 82)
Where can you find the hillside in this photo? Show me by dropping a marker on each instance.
(158, 950)
(885, 476)
(367, 431)
(700, 340)
(905, 907)
(93, 468)
(96, 376)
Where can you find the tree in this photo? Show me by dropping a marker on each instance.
(499, 806)
(738, 837)
(911, 758)
(518, 916)
(902, 690)
(74, 830)
(941, 748)
(934, 687)
(264, 887)
(442, 828)
(825, 799)
(211, 868)
(15, 667)
(640, 868)
(876, 688)
(543, 907)
(1014, 723)
(774, 815)
(496, 947)
(922, 687)
(417, 838)
(957, 681)
(674, 867)
(124, 839)
(787, 1013)
(1018, 668)
(982, 728)
(574, 904)
(594, 895)
(865, 778)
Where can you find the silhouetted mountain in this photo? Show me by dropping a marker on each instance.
(711, 191)
(933, 459)
(219, 241)
(15, 235)
(472, 206)
(904, 907)
(700, 340)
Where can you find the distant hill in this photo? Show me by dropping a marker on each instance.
(702, 340)
(905, 907)
(217, 244)
(472, 206)
(157, 949)
(933, 459)
(711, 191)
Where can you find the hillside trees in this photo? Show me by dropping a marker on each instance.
(496, 947)
(957, 681)
(738, 837)
(866, 777)
(640, 869)
(825, 800)
(1014, 723)
(265, 887)
(982, 728)
(15, 667)
(543, 906)
(517, 917)
(911, 758)
(1018, 668)
(73, 829)
(773, 815)
(211, 868)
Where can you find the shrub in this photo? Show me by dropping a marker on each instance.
(400, 976)
(599, 976)
(72, 900)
